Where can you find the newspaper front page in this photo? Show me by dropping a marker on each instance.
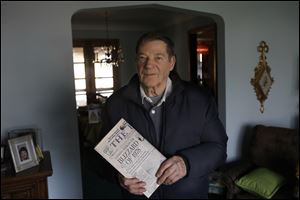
(131, 154)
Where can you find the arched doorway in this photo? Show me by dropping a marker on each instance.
(126, 25)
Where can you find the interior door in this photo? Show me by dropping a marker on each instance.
(203, 58)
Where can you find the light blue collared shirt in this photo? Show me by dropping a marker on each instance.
(155, 111)
(167, 92)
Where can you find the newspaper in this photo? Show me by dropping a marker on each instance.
(131, 154)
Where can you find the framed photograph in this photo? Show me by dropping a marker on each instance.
(94, 113)
(36, 136)
(23, 152)
(94, 116)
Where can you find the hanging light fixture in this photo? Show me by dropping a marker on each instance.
(112, 54)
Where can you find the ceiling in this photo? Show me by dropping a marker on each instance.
(146, 16)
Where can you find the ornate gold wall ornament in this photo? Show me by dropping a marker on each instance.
(262, 80)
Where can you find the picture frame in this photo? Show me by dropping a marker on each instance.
(94, 113)
(23, 152)
(36, 136)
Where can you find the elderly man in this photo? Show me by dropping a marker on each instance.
(180, 119)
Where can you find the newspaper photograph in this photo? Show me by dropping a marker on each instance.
(131, 154)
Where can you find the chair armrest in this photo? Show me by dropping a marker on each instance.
(232, 171)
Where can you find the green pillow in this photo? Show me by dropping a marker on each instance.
(262, 182)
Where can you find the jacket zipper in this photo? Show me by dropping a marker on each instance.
(162, 141)
(150, 127)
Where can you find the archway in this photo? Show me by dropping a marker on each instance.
(126, 24)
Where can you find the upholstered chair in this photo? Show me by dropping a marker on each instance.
(273, 148)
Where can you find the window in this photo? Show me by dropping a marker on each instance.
(79, 75)
(92, 79)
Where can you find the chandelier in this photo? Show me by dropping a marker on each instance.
(113, 54)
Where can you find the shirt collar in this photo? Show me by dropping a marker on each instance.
(167, 92)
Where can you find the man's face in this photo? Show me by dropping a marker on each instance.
(24, 155)
(154, 64)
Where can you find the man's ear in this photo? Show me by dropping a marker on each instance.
(173, 62)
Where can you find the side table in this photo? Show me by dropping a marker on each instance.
(28, 184)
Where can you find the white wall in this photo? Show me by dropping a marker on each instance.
(248, 24)
(37, 85)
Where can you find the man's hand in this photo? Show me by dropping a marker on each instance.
(132, 185)
(171, 170)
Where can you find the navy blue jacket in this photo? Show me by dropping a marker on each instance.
(191, 128)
